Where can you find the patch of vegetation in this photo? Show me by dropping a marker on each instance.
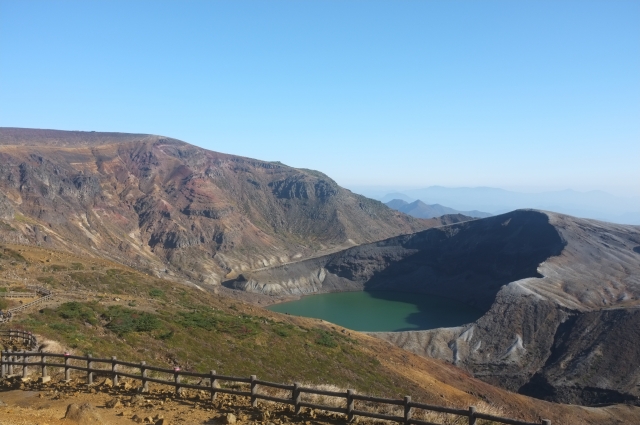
(208, 319)
(123, 320)
(10, 254)
(77, 266)
(64, 327)
(325, 338)
(156, 293)
(165, 335)
(4, 304)
(77, 311)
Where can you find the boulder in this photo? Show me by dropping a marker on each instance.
(84, 414)
(113, 403)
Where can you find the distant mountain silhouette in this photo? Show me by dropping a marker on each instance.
(593, 204)
(419, 209)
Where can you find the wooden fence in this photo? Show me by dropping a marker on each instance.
(17, 294)
(173, 378)
(46, 295)
(31, 304)
(27, 338)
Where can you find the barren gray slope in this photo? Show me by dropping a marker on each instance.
(532, 271)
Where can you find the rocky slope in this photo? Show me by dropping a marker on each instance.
(561, 295)
(168, 207)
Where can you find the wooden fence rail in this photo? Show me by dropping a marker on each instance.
(17, 294)
(39, 289)
(27, 338)
(210, 382)
(31, 304)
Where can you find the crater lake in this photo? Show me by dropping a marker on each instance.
(382, 311)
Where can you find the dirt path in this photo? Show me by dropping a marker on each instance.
(32, 403)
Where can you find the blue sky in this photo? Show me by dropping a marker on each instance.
(527, 95)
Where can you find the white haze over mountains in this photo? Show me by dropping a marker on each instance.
(595, 204)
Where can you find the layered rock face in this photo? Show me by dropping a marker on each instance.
(561, 294)
(172, 208)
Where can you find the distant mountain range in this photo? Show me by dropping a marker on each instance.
(419, 209)
(595, 204)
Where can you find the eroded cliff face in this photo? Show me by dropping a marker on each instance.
(171, 208)
(560, 293)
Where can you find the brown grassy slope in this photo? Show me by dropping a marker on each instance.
(245, 339)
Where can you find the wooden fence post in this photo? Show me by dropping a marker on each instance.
(254, 391)
(176, 379)
(546, 422)
(296, 396)
(114, 371)
(24, 363)
(214, 384)
(143, 372)
(407, 409)
(89, 372)
(350, 404)
(67, 371)
(43, 360)
(472, 415)
(3, 365)
(10, 365)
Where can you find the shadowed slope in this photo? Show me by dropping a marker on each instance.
(468, 261)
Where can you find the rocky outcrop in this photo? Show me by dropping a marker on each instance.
(561, 297)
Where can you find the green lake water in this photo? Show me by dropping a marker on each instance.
(382, 311)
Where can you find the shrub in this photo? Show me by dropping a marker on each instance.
(156, 293)
(210, 320)
(124, 320)
(63, 327)
(77, 311)
(326, 339)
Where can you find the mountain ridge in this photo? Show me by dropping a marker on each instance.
(174, 209)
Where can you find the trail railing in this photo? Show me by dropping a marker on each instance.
(46, 295)
(39, 289)
(27, 338)
(31, 304)
(11, 361)
(17, 294)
